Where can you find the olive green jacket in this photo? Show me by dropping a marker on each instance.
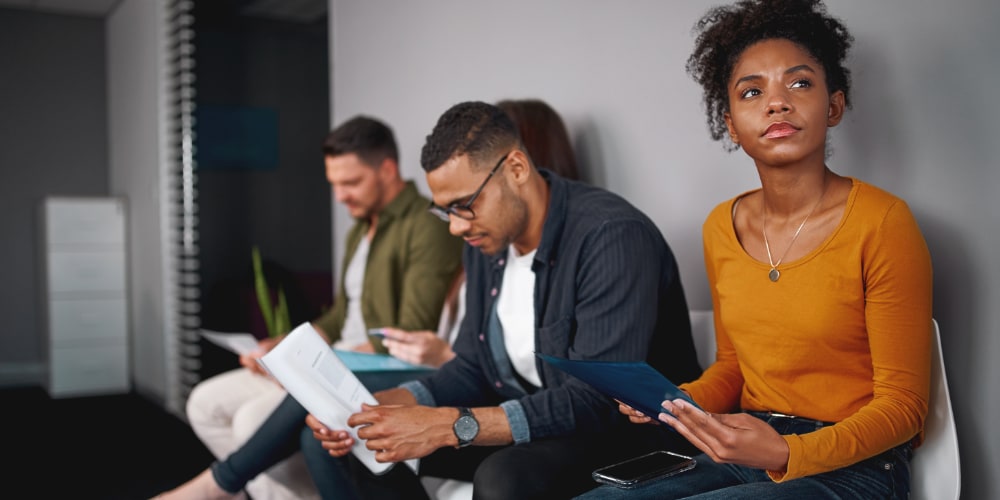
(412, 260)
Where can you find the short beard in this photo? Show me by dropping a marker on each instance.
(515, 210)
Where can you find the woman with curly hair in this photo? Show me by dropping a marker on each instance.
(821, 284)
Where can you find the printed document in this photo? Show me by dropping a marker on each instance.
(310, 371)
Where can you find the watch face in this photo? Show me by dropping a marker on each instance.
(466, 428)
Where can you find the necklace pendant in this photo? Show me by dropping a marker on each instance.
(774, 274)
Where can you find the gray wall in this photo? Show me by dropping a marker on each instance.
(921, 127)
(53, 141)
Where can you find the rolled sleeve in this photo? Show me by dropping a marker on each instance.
(420, 393)
(518, 421)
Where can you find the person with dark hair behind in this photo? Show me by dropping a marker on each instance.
(553, 266)
(543, 134)
(821, 284)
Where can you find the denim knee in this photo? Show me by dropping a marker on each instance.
(310, 446)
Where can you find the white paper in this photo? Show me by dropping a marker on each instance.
(309, 370)
(239, 343)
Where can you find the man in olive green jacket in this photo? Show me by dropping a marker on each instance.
(399, 264)
(411, 263)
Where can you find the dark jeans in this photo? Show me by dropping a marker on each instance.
(275, 440)
(883, 476)
(547, 468)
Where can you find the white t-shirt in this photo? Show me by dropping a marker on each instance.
(354, 331)
(516, 311)
(452, 315)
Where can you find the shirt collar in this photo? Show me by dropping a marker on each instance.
(555, 219)
(399, 205)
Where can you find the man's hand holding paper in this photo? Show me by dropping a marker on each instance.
(394, 433)
(311, 372)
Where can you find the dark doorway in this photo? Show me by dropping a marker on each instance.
(262, 111)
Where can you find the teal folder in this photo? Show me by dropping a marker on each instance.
(634, 383)
(381, 371)
(367, 362)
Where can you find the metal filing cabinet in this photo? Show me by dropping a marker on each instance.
(86, 308)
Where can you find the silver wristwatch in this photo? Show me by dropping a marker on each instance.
(466, 427)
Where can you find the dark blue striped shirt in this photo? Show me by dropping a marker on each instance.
(606, 288)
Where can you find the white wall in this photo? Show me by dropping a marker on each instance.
(136, 62)
(924, 74)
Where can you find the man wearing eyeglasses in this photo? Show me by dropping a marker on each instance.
(553, 266)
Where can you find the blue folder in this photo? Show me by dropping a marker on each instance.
(634, 383)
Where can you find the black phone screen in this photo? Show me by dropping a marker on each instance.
(632, 471)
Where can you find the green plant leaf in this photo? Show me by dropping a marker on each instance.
(283, 324)
(263, 293)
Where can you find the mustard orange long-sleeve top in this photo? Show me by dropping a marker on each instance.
(844, 336)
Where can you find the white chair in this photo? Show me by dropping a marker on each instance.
(935, 472)
(703, 334)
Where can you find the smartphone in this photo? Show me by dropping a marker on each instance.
(634, 471)
(376, 332)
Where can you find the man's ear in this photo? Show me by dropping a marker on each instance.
(837, 105)
(518, 166)
(733, 136)
(388, 169)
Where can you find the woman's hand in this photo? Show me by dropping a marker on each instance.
(736, 438)
(264, 346)
(419, 348)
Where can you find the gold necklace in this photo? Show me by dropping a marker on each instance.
(774, 274)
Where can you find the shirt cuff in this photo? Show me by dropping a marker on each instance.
(420, 392)
(517, 420)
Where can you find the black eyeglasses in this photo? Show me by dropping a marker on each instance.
(464, 211)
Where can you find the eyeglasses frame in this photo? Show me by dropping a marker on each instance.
(445, 213)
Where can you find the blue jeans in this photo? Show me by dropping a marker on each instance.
(883, 476)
